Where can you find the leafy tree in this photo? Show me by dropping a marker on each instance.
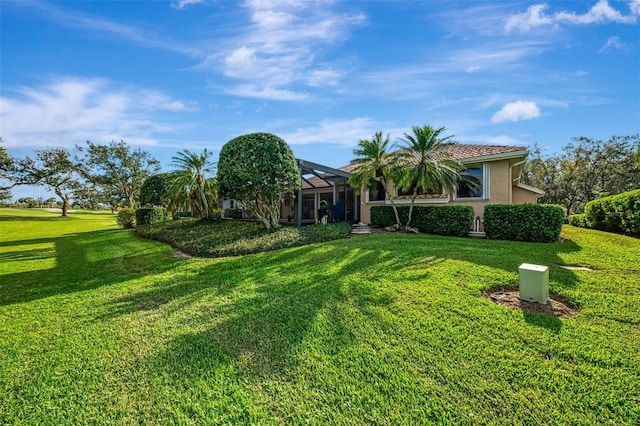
(119, 170)
(426, 165)
(586, 169)
(374, 163)
(189, 185)
(7, 169)
(155, 190)
(55, 168)
(259, 170)
(5, 196)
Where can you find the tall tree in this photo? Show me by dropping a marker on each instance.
(55, 168)
(586, 169)
(190, 183)
(375, 163)
(426, 163)
(259, 170)
(120, 170)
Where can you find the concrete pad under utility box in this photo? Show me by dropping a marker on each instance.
(534, 283)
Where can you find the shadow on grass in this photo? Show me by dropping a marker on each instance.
(257, 311)
(549, 322)
(83, 261)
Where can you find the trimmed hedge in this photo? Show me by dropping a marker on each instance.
(151, 215)
(579, 220)
(523, 222)
(439, 220)
(126, 218)
(616, 213)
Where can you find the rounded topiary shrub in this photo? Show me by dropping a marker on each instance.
(259, 170)
(126, 218)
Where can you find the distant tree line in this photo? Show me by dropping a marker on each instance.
(585, 170)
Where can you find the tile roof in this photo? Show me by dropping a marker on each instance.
(465, 151)
(458, 152)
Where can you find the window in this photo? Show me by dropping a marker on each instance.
(427, 191)
(376, 192)
(472, 183)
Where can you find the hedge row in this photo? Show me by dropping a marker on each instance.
(579, 220)
(440, 220)
(616, 213)
(523, 222)
(151, 215)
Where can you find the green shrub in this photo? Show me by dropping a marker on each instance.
(439, 220)
(232, 238)
(579, 220)
(523, 222)
(126, 218)
(148, 216)
(616, 213)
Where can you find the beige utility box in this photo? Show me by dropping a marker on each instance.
(534, 283)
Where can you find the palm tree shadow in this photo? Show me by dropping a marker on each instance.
(272, 312)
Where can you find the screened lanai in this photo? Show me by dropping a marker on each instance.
(321, 183)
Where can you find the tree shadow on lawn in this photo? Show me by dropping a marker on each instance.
(257, 311)
(83, 261)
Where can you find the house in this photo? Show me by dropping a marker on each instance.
(492, 175)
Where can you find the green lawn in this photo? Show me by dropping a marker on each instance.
(98, 326)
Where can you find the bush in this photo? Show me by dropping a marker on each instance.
(126, 218)
(579, 220)
(616, 213)
(148, 216)
(232, 238)
(523, 222)
(439, 220)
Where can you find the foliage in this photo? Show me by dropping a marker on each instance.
(55, 168)
(126, 218)
(233, 238)
(586, 169)
(7, 168)
(426, 165)
(155, 191)
(119, 170)
(579, 220)
(374, 163)
(190, 188)
(151, 215)
(615, 213)
(523, 222)
(259, 170)
(101, 327)
(438, 220)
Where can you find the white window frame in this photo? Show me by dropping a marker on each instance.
(486, 179)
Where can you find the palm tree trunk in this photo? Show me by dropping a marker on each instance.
(393, 205)
(413, 200)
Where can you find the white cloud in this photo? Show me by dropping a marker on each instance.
(281, 48)
(600, 13)
(614, 43)
(271, 93)
(516, 111)
(69, 111)
(341, 132)
(183, 3)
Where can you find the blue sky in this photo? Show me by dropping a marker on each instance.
(322, 75)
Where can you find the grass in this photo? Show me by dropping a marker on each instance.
(232, 238)
(97, 326)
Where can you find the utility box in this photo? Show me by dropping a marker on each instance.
(534, 283)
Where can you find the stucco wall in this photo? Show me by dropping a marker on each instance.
(501, 191)
(522, 196)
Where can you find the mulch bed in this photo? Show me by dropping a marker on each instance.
(510, 297)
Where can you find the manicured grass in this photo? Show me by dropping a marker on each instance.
(232, 237)
(97, 326)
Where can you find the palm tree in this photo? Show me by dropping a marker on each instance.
(426, 163)
(374, 163)
(189, 185)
